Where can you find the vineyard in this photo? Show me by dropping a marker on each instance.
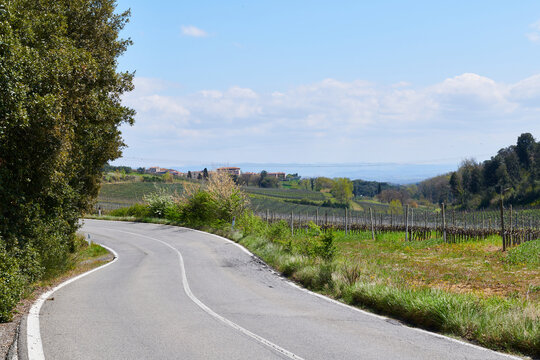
(300, 207)
(516, 227)
(286, 193)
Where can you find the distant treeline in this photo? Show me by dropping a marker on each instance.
(371, 188)
(514, 170)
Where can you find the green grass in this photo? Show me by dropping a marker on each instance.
(428, 284)
(91, 251)
(527, 253)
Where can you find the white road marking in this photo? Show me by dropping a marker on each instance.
(211, 312)
(33, 334)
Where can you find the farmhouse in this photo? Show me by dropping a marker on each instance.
(229, 170)
(277, 175)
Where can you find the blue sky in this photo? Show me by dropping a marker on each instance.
(330, 82)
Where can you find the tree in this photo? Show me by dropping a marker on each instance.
(503, 179)
(262, 176)
(305, 184)
(342, 190)
(455, 186)
(60, 113)
(396, 207)
(525, 148)
(269, 182)
(205, 174)
(476, 180)
(323, 183)
(189, 175)
(167, 177)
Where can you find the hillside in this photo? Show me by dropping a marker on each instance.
(515, 170)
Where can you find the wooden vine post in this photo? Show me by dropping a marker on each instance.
(511, 240)
(346, 221)
(502, 225)
(443, 222)
(292, 223)
(407, 223)
(372, 230)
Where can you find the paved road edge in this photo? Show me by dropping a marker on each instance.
(31, 348)
(295, 285)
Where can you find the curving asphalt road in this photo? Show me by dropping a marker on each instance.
(226, 305)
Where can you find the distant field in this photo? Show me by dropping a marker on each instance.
(287, 193)
(116, 195)
(282, 207)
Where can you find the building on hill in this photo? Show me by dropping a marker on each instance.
(229, 170)
(156, 170)
(277, 175)
(153, 170)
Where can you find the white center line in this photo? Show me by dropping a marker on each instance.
(211, 312)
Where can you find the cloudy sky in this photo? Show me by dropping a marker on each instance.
(309, 82)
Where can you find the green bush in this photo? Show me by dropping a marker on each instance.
(326, 249)
(136, 210)
(251, 224)
(279, 231)
(159, 202)
(12, 284)
(198, 210)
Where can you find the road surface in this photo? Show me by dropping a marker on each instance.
(226, 305)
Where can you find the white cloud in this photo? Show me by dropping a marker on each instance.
(193, 31)
(534, 36)
(332, 117)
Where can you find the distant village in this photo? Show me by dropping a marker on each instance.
(234, 171)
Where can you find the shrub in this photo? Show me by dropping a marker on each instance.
(158, 202)
(351, 273)
(279, 231)
(326, 249)
(228, 198)
(212, 205)
(12, 283)
(136, 210)
(198, 210)
(251, 224)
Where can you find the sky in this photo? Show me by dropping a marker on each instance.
(357, 83)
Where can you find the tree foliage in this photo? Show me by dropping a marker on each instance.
(515, 168)
(342, 190)
(60, 113)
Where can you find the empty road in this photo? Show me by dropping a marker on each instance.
(176, 293)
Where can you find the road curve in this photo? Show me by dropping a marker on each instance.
(225, 305)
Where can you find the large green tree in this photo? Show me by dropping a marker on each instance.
(342, 190)
(60, 113)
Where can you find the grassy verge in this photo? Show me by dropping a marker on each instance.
(84, 258)
(469, 290)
